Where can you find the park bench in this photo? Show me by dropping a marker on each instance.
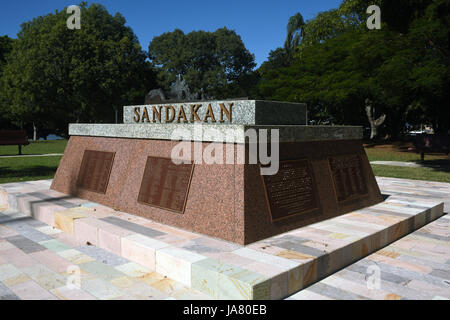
(430, 143)
(18, 137)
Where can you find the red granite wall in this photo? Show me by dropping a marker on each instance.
(224, 201)
(258, 224)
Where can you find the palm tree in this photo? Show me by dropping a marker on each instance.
(295, 33)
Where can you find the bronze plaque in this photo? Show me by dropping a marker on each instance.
(291, 191)
(165, 185)
(347, 174)
(95, 170)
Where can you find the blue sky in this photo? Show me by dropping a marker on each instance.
(260, 23)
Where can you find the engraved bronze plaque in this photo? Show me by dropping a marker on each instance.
(291, 191)
(165, 185)
(348, 178)
(95, 171)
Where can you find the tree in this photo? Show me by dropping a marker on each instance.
(295, 33)
(6, 44)
(282, 57)
(403, 69)
(326, 25)
(336, 77)
(429, 52)
(56, 76)
(374, 123)
(277, 59)
(210, 62)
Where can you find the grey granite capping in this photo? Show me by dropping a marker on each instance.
(214, 133)
(247, 112)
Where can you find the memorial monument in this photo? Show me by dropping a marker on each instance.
(150, 166)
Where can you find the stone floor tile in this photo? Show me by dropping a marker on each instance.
(102, 255)
(49, 230)
(101, 289)
(6, 293)
(65, 293)
(142, 291)
(45, 277)
(54, 245)
(25, 244)
(32, 291)
(8, 271)
(75, 256)
(101, 270)
(149, 232)
(6, 232)
(133, 269)
(52, 260)
(18, 258)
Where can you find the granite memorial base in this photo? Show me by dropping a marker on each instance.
(323, 172)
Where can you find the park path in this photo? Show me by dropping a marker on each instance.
(408, 164)
(33, 155)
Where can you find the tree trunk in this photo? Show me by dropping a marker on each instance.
(34, 132)
(374, 124)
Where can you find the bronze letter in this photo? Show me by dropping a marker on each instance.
(182, 114)
(145, 115)
(169, 120)
(157, 113)
(194, 109)
(137, 116)
(209, 114)
(228, 113)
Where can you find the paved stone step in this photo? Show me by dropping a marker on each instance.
(416, 267)
(273, 268)
(40, 262)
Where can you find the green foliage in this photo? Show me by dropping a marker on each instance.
(400, 14)
(212, 63)
(277, 59)
(324, 26)
(6, 44)
(295, 32)
(56, 76)
(340, 63)
(429, 46)
(282, 57)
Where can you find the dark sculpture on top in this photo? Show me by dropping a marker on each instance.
(179, 92)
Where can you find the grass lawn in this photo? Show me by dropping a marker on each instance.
(399, 152)
(28, 168)
(429, 174)
(35, 147)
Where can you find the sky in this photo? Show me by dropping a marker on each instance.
(260, 23)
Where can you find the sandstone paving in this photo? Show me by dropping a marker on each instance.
(184, 265)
